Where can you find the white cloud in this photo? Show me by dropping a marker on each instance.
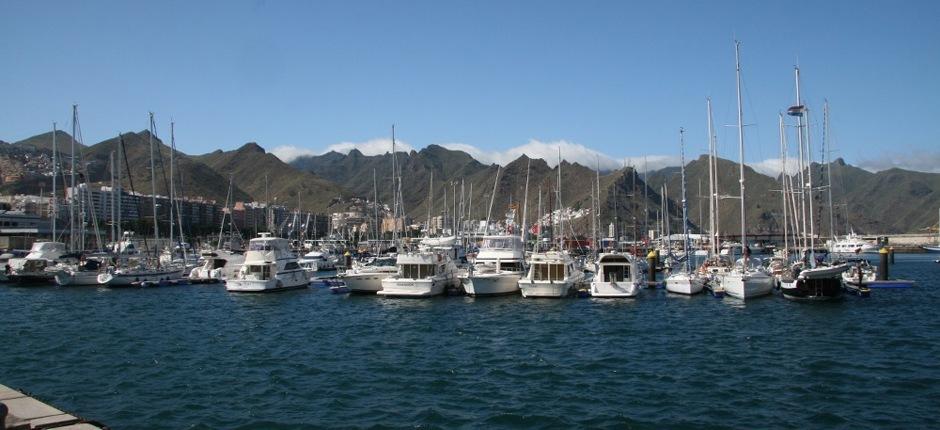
(571, 152)
(288, 153)
(917, 160)
(773, 166)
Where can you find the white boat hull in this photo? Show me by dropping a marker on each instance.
(131, 278)
(365, 283)
(492, 285)
(549, 289)
(747, 286)
(684, 284)
(624, 289)
(395, 287)
(282, 281)
(66, 278)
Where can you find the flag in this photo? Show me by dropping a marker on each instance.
(797, 110)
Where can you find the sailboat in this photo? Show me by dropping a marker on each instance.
(138, 271)
(685, 280)
(813, 280)
(746, 280)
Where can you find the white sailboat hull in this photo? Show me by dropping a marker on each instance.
(684, 284)
(492, 284)
(126, 279)
(68, 278)
(747, 286)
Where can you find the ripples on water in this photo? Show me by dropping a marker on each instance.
(198, 357)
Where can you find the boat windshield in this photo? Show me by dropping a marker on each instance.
(417, 271)
(259, 246)
(548, 272)
(499, 243)
(615, 273)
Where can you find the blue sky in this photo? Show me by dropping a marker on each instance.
(497, 78)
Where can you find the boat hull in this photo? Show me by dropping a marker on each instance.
(813, 289)
(395, 287)
(492, 285)
(748, 286)
(685, 284)
(77, 278)
(282, 282)
(547, 289)
(624, 289)
(117, 280)
(32, 278)
(365, 283)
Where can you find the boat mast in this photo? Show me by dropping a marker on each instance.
(685, 206)
(55, 165)
(113, 194)
(172, 195)
(561, 210)
(783, 185)
(492, 199)
(153, 186)
(430, 197)
(808, 185)
(72, 180)
(712, 185)
(395, 235)
(826, 150)
(597, 203)
(120, 198)
(737, 61)
(525, 203)
(375, 210)
(228, 199)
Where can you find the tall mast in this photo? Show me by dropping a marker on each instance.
(120, 198)
(596, 197)
(430, 201)
(172, 194)
(561, 210)
(538, 237)
(826, 150)
(712, 180)
(394, 187)
(375, 207)
(113, 194)
(492, 199)
(72, 181)
(737, 62)
(525, 203)
(175, 201)
(153, 184)
(797, 110)
(783, 185)
(685, 207)
(55, 171)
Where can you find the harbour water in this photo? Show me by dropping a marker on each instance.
(199, 357)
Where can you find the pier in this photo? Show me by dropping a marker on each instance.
(20, 411)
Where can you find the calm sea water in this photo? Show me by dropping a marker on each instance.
(198, 357)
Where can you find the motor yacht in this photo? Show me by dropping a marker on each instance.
(421, 274)
(616, 275)
(366, 278)
(498, 267)
(551, 274)
(40, 265)
(269, 266)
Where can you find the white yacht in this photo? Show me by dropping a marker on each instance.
(551, 274)
(617, 275)
(39, 265)
(421, 274)
(498, 267)
(366, 278)
(219, 265)
(747, 281)
(852, 244)
(269, 266)
(685, 282)
(315, 261)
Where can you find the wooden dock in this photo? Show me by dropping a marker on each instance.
(24, 412)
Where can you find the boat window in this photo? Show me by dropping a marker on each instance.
(261, 272)
(548, 272)
(291, 266)
(417, 271)
(512, 266)
(218, 263)
(615, 273)
(259, 246)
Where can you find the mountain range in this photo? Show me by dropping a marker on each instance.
(889, 201)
